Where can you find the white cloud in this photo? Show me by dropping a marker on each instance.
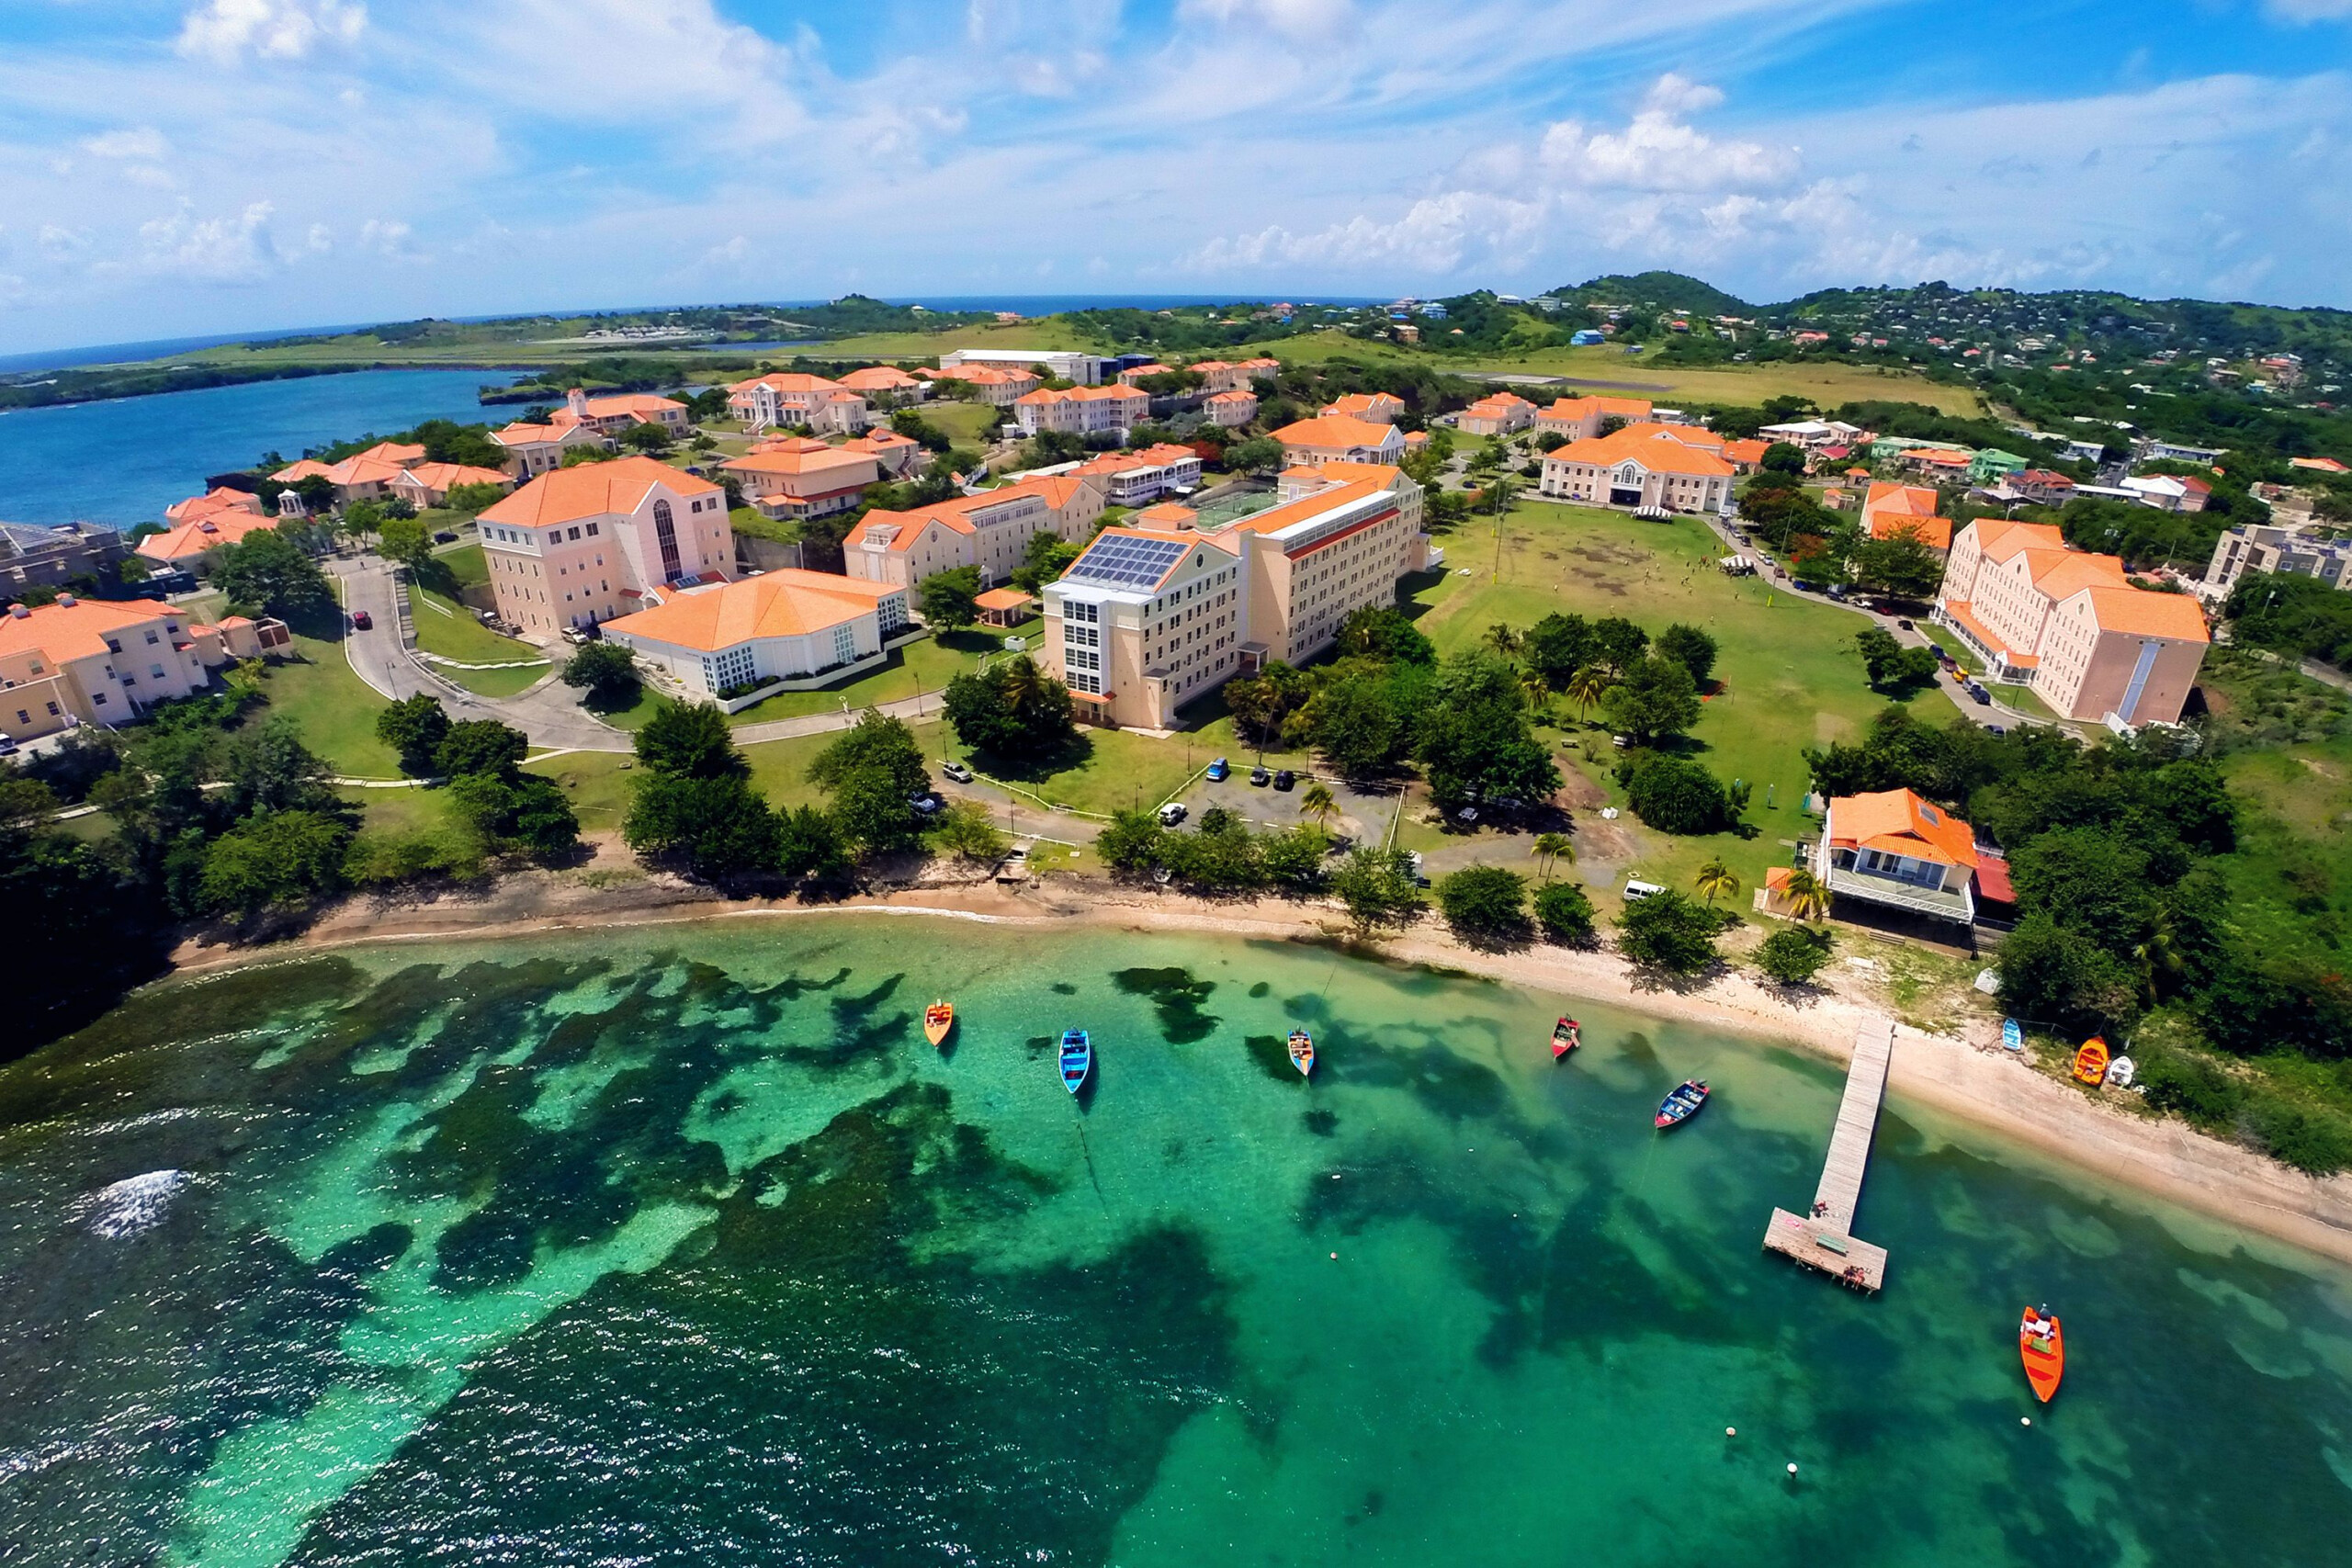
(387, 237)
(145, 142)
(210, 250)
(1306, 21)
(226, 30)
(2309, 10)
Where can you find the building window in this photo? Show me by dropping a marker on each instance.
(665, 529)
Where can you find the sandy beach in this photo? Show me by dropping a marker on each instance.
(1962, 1074)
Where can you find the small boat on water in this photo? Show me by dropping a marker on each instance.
(1302, 1051)
(1078, 1058)
(2043, 1349)
(1564, 1038)
(937, 1019)
(2090, 1062)
(1683, 1103)
(2012, 1036)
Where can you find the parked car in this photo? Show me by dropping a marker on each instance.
(925, 805)
(445, 537)
(1413, 862)
(958, 772)
(1285, 778)
(1219, 771)
(1637, 891)
(361, 620)
(7, 746)
(1979, 693)
(1258, 776)
(1996, 729)
(1171, 814)
(1904, 624)
(575, 637)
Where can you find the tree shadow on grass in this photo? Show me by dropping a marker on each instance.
(1034, 769)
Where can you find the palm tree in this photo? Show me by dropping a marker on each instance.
(1535, 689)
(1551, 847)
(1807, 894)
(1586, 687)
(1502, 638)
(1316, 801)
(1024, 684)
(1717, 880)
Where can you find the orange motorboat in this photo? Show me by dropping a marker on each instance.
(937, 1019)
(2043, 1349)
(2090, 1062)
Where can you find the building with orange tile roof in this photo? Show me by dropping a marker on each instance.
(192, 546)
(1745, 456)
(1003, 606)
(1642, 466)
(541, 448)
(1134, 373)
(2319, 465)
(1889, 509)
(887, 382)
(787, 399)
(1136, 479)
(1504, 414)
(896, 455)
(1230, 411)
(583, 545)
(990, 531)
(996, 386)
(723, 639)
(429, 484)
(1219, 376)
(1263, 368)
(1894, 849)
(1083, 411)
(1333, 438)
(1168, 515)
(1580, 418)
(1377, 408)
(2070, 626)
(212, 502)
(804, 478)
(104, 662)
(1149, 618)
(1068, 364)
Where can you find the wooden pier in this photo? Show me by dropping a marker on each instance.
(1825, 1239)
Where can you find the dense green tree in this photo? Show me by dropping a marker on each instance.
(965, 830)
(1667, 931)
(1384, 633)
(945, 598)
(1259, 455)
(480, 746)
(276, 858)
(1377, 887)
(1676, 796)
(716, 824)
(476, 498)
(1892, 667)
(1011, 710)
(2059, 976)
(2085, 877)
(405, 540)
(648, 438)
(267, 767)
(1563, 913)
(1267, 708)
(809, 843)
(1899, 564)
(1485, 906)
(1783, 457)
(1618, 643)
(690, 740)
(1655, 698)
(1474, 742)
(413, 726)
(521, 810)
(1557, 647)
(1690, 647)
(268, 569)
(1795, 955)
(1048, 556)
(1132, 843)
(1294, 859)
(604, 674)
(872, 770)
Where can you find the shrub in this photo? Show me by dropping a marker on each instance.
(1564, 914)
(1676, 797)
(413, 726)
(1377, 887)
(2312, 1140)
(1486, 906)
(605, 672)
(1795, 955)
(1669, 933)
(479, 746)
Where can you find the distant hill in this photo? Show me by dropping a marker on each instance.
(1660, 290)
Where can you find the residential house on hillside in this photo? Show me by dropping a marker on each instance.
(2044, 487)
(1898, 851)
(104, 663)
(1230, 409)
(1083, 411)
(1148, 619)
(2070, 626)
(2169, 492)
(1311, 443)
(1373, 407)
(1136, 479)
(1674, 466)
(802, 476)
(34, 557)
(2297, 551)
(583, 545)
(990, 531)
(719, 639)
(1580, 418)
(428, 484)
(790, 398)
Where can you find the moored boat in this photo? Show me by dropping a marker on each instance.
(1564, 1038)
(1302, 1051)
(937, 1019)
(2043, 1349)
(1078, 1058)
(1684, 1102)
(2012, 1036)
(2090, 1062)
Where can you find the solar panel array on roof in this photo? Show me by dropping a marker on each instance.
(1122, 562)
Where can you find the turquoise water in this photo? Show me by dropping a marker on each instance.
(122, 462)
(680, 1246)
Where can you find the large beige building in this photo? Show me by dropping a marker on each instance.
(721, 639)
(1336, 438)
(1677, 468)
(1580, 418)
(106, 661)
(804, 478)
(1151, 618)
(586, 544)
(789, 399)
(990, 531)
(2069, 626)
(1113, 410)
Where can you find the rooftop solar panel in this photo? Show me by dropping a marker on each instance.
(1121, 562)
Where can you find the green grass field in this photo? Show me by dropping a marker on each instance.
(448, 628)
(1789, 674)
(335, 708)
(964, 422)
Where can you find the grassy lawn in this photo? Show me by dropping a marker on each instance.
(397, 810)
(922, 666)
(465, 562)
(1788, 676)
(448, 628)
(598, 781)
(335, 708)
(964, 422)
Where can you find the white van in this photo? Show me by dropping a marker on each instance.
(1639, 890)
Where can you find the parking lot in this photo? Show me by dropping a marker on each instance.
(1360, 815)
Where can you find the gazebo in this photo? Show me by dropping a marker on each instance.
(1003, 606)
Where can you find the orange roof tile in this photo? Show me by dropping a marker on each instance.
(1933, 532)
(1897, 821)
(592, 489)
(799, 457)
(879, 378)
(1579, 408)
(1889, 496)
(207, 530)
(1337, 432)
(1654, 446)
(1002, 599)
(447, 475)
(2138, 612)
(77, 630)
(787, 382)
(785, 602)
(2000, 538)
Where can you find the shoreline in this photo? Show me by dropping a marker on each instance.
(1967, 1080)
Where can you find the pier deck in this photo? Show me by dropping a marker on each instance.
(1825, 1240)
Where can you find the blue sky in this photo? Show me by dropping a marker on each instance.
(175, 167)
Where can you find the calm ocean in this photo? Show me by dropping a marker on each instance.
(679, 1246)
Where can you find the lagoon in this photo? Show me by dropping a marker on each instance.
(122, 462)
(677, 1244)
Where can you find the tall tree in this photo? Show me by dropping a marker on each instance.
(690, 740)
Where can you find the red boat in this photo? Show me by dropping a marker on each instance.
(2043, 1347)
(1564, 1038)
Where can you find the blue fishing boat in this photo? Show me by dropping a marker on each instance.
(1679, 1107)
(2011, 1035)
(1078, 1058)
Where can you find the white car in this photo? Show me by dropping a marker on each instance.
(1171, 814)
